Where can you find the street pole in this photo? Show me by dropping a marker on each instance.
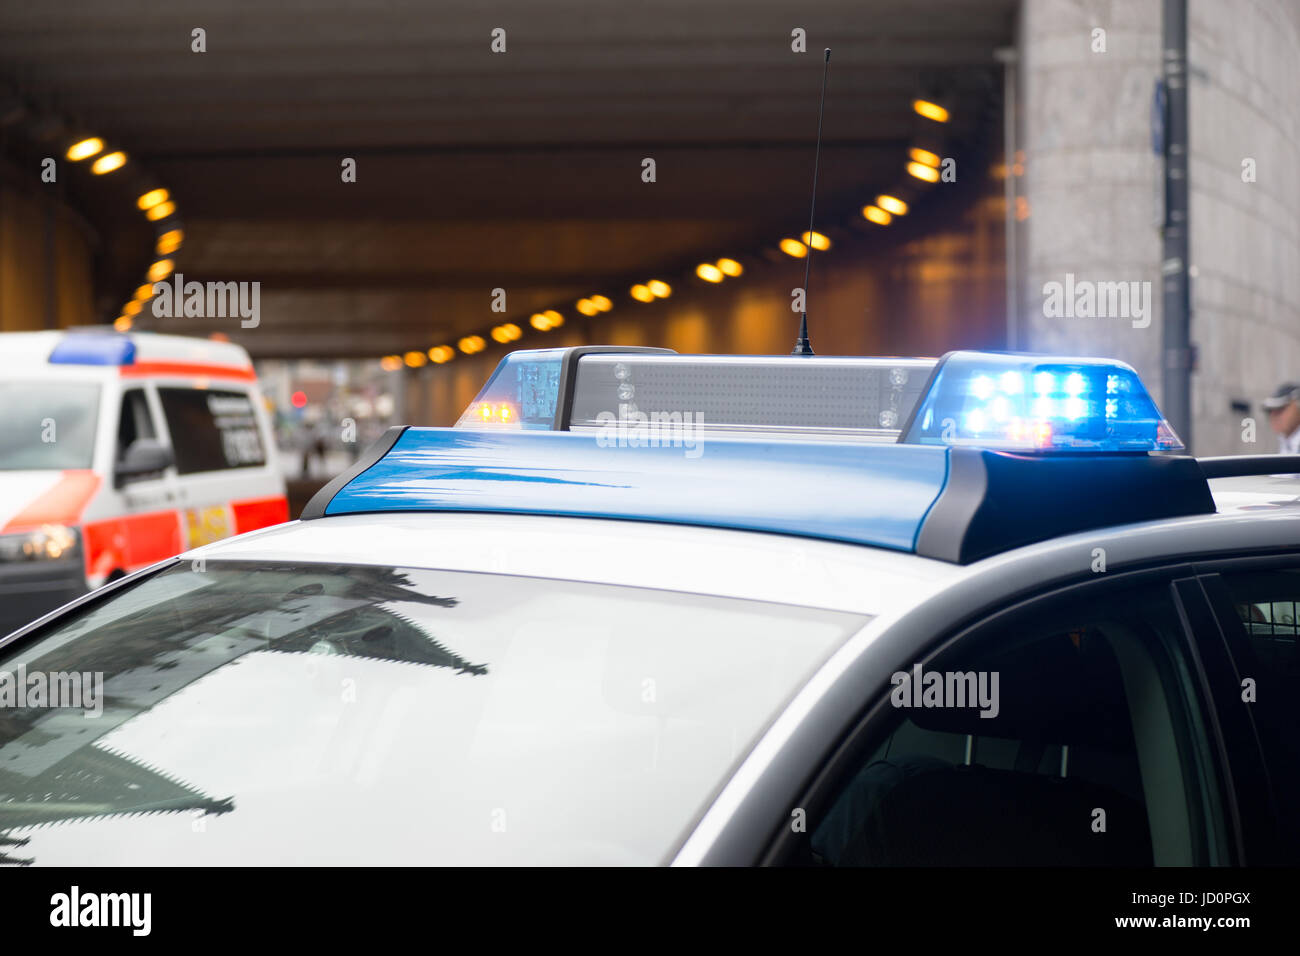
(1007, 57)
(1177, 346)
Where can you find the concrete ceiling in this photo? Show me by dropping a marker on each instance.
(478, 170)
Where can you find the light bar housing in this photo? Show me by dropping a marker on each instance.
(949, 503)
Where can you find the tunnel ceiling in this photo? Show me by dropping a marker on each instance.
(478, 170)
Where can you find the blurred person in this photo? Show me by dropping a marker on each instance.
(1283, 408)
(312, 435)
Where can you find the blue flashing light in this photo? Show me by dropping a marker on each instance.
(522, 393)
(1075, 404)
(876, 495)
(93, 348)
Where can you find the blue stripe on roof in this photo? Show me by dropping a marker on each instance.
(876, 495)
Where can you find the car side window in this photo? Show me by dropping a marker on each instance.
(134, 422)
(212, 429)
(1067, 736)
(1266, 652)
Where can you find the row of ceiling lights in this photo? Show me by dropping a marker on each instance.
(157, 206)
(923, 165)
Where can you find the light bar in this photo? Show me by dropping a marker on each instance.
(772, 396)
(1038, 403)
(93, 348)
(978, 399)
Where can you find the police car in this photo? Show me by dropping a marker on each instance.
(119, 450)
(647, 608)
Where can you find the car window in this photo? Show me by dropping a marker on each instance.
(375, 715)
(1266, 651)
(47, 424)
(1064, 738)
(134, 422)
(212, 429)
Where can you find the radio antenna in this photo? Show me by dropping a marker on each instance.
(802, 345)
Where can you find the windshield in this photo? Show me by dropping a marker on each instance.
(47, 424)
(269, 714)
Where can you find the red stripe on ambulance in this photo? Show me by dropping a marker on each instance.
(62, 503)
(131, 542)
(259, 513)
(189, 370)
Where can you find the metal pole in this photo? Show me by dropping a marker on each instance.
(1178, 353)
(1007, 57)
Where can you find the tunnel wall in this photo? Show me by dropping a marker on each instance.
(46, 259)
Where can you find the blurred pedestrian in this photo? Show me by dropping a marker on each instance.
(313, 435)
(1283, 408)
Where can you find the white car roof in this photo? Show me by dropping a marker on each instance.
(741, 564)
(756, 565)
(31, 350)
(1255, 493)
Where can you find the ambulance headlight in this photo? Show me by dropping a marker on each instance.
(49, 542)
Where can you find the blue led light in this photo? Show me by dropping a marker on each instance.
(522, 393)
(1075, 404)
(93, 348)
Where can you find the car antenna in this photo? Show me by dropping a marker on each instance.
(802, 346)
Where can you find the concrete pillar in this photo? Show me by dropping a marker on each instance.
(1092, 193)
(1091, 180)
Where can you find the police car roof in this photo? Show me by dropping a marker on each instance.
(998, 452)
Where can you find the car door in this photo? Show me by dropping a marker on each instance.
(1256, 603)
(149, 527)
(221, 457)
(1074, 728)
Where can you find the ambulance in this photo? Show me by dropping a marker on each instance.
(118, 450)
